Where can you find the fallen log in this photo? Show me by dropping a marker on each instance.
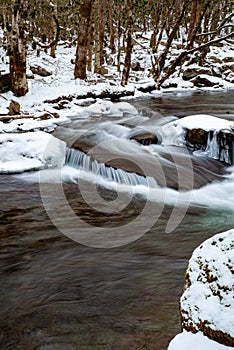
(7, 118)
(113, 96)
(44, 116)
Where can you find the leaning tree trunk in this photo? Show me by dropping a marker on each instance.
(17, 51)
(83, 41)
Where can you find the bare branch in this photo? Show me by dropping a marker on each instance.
(180, 59)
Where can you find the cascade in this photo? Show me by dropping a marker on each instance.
(220, 146)
(80, 160)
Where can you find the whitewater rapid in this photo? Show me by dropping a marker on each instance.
(167, 173)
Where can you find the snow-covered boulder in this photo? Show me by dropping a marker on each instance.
(191, 72)
(9, 107)
(103, 107)
(228, 66)
(229, 76)
(30, 151)
(40, 69)
(213, 136)
(204, 80)
(206, 304)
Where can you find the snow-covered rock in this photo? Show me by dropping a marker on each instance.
(40, 69)
(206, 304)
(40, 121)
(103, 107)
(174, 133)
(204, 80)
(30, 151)
(9, 107)
(192, 71)
(204, 121)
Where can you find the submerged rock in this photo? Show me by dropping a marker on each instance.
(207, 301)
(145, 139)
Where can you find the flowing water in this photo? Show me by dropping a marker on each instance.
(60, 294)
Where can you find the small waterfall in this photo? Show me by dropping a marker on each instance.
(220, 146)
(212, 148)
(80, 160)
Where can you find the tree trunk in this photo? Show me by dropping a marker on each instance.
(127, 61)
(192, 23)
(90, 43)
(82, 41)
(160, 63)
(56, 31)
(17, 51)
(119, 32)
(128, 49)
(112, 35)
(99, 42)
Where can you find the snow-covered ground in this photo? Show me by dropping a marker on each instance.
(61, 84)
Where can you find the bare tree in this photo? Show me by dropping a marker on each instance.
(112, 33)
(129, 45)
(17, 49)
(82, 41)
(100, 17)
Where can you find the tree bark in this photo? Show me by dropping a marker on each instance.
(56, 30)
(160, 63)
(99, 42)
(82, 41)
(192, 22)
(17, 50)
(128, 49)
(112, 33)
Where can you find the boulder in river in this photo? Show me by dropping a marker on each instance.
(145, 139)
(196, 139)
(207, 301)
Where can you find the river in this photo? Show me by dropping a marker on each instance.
(60, 294)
